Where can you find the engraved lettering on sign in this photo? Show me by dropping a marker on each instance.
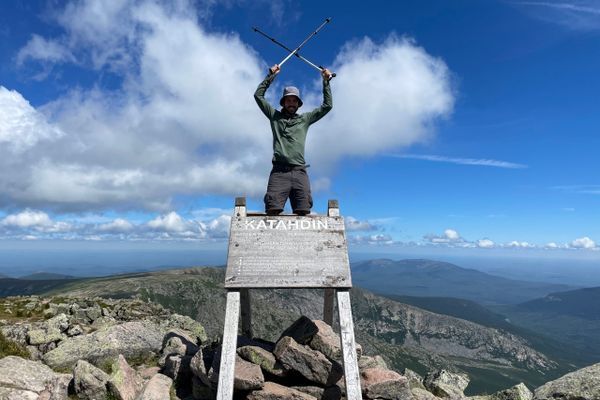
(286, 225)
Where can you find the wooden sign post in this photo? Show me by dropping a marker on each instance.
(287, 251)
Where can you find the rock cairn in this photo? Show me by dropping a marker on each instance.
(130, 350)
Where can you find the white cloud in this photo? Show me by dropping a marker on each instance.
(581, 15)
(353, 224)
(34, 220)
(485, 243)
(21, 126)
(386, 96)
(583, 243)
(171, 222)
(27, 219)
(41, 49)
(183, 122)
(378, 239)
(448, 237)
(118, 225)
(463, 161)
(517, 244)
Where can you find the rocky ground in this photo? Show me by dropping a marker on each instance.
(75, 348)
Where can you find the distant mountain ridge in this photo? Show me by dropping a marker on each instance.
(428, 278)
(45, 276)
(582, 303)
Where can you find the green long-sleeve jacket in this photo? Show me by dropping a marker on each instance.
(289, 132)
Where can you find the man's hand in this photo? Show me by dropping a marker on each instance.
(326, 74)
(274, 70)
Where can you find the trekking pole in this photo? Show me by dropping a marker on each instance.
(305, 40)
(272, 39)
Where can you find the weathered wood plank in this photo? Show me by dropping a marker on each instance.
(288, 252)
(351, 373)
(328, 306)
(333, 208)
(228, 350)
(246, 313)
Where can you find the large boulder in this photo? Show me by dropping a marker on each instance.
(309, 363)
(274, 391)
(89, 382)
(379, 383)
(136, 339)
(328, 342)
(444, 383)
(124, 382)
(583, 384)
(25, 379)
(158, 388)
(265, 359)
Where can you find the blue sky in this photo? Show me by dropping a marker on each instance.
(456, 124)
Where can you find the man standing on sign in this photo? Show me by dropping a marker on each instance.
(288, 177)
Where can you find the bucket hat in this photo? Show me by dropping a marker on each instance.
(291, 91)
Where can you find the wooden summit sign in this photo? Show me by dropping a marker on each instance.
(287, 251)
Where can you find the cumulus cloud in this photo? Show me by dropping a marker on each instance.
(179, 125)
(379, 239)
(387, 95)
(485, 243)
(35, 224)
(353, 224)
(33, 220)
(21, 126)
(583, 243)
(517, 244)
(449, 236)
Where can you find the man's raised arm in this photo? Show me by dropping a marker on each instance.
(319, 112)
(259, 94)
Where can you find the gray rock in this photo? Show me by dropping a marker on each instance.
(443, 383)
(59, 323)
(273, 391)
(89, 381)
(414, 380)
(311, 364)
(173, 347)
(365, 362)
(328, 393)
(178, 368)
(423, 394)
(75, 330)
(132, 339)
(328, 342)
(265, 359)
(178, 342)
(17, 394)
(247, 376)
(124, 383)
(158, 388)
(93, 313)
(104, 322)
(41, 336)
(187, 324)
(378, 383)
(302, 330)
(583, 384)
(25, 379)
(517, 392)
(198, 367)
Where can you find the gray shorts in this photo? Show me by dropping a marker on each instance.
(288, 181)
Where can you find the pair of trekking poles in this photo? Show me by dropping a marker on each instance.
(295, 52)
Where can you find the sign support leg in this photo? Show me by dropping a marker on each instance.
(226, 372)
(351, 373)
